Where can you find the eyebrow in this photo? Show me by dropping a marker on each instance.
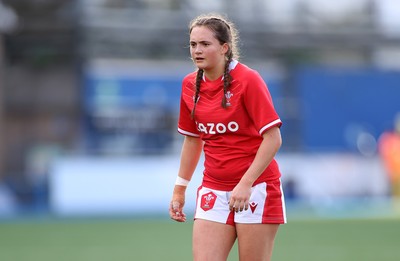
(202, 42)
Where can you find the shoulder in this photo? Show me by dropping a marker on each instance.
(188, 83)
(189, 78)
(244, 73)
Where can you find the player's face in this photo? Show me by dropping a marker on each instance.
(206, 51)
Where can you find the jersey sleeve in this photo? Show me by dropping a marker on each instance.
(186, 125)
(259, 104)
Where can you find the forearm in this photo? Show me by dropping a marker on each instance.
(270, 145)
(190, 155)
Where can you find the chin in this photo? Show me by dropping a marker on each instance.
(201, 66)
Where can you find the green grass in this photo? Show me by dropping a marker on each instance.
(162, 239)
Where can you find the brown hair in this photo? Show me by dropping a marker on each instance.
(225, 32)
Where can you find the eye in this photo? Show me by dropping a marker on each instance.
(192, 44)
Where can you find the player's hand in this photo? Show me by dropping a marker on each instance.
(176, 211)
(240, 197)
(177, 203)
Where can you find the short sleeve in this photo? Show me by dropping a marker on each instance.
(259, 104)
(186, 125)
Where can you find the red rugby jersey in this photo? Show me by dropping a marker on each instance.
(233, 135)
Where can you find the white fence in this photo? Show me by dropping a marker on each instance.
(143, 185)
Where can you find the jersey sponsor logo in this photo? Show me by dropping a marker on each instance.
(214, 128)
(208, 201)
(253, 206)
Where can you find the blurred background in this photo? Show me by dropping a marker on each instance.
(89, 99)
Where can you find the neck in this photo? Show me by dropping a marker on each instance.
(212, 76)
(214, 73)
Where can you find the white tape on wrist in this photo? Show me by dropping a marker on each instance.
(181, 182)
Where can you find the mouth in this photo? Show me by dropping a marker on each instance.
(199, 59)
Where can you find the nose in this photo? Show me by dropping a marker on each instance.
(198, 49)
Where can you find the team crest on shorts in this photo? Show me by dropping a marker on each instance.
(208, 201)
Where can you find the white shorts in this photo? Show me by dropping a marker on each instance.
(267, 205)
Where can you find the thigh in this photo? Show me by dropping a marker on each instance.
(212, 241)
(256, 241)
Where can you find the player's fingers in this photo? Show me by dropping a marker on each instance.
(236, 206)
(176, 213)
(175, 206)
(172, 210)
(232, 205)
(246, 205)
(240, 206)
(180, 218)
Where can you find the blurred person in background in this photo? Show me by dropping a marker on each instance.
(227, 112)
(389, 149)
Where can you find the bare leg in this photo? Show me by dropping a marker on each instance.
(212, 241)
(256, 241)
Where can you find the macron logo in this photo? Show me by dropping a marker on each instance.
(253, 206)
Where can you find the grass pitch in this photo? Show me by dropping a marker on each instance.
(163, 239)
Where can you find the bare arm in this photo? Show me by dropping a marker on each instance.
(190, 155)
(270, 145)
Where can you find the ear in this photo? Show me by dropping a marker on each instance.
(224, 48)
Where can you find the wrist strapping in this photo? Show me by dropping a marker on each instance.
(181, 181)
